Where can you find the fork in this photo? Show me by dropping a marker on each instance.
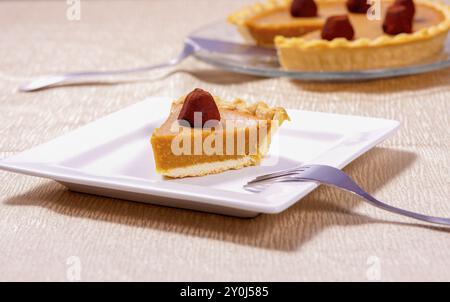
(72, 77)
(331, 176)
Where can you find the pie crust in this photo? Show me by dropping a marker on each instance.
(363, 53)
(254, 116)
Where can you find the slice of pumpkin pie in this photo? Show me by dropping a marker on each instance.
(205, 135)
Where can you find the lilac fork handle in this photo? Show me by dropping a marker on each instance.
(334, 177)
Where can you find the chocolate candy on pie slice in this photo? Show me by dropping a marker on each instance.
(200, 101)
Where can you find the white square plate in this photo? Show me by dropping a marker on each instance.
(113, 157)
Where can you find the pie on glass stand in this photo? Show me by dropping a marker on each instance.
(205, 135)
(340, 36)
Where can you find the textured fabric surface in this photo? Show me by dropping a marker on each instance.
(329, 235)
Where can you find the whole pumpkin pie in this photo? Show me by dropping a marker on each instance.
(204, 135)
(302, 44)
(396, 39)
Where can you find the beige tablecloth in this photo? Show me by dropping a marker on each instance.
(49, 233)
